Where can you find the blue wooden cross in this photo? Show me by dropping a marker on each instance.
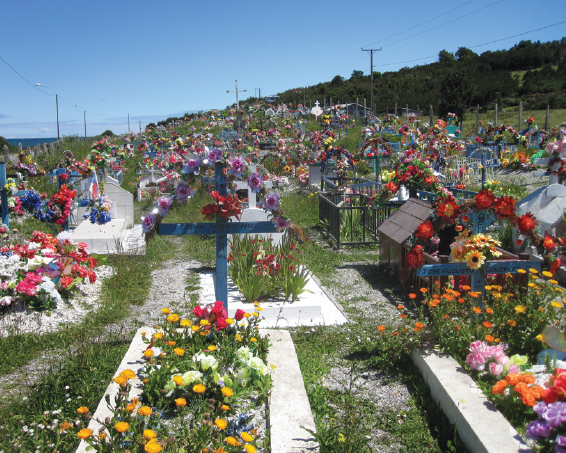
(221, 228)
(3, 194)
(480, 221)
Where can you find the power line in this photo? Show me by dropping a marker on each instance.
(422, 23)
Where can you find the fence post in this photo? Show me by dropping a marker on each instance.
(495, 115)
(4, 195)
(395, 109)
(6, 154)
(431, 115)
(546, 125)
(520, 116)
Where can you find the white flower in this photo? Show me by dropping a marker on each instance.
(65, 235)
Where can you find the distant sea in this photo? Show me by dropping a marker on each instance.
(30, 141)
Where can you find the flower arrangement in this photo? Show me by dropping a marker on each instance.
(474, 249)
(99, 210)
(223, 207)
(201, 371)
(38, 272)
(56, 210)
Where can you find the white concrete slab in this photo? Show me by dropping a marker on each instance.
(314, 307)
(480, 425)
(100, 238)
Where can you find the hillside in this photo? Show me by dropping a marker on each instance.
(532, 72)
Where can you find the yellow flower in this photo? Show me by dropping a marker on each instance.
(144, 411)
(204, 322)
(199, 388)
(259, 309)
(253, 339)
(121, 380)
(238, 337)
(179, 351)
(520, 308)
(227, 392)
(149, 434)
(474, 259)
(547, 274)
(220, 423)
(556, 304)
(178, 380)
(153, 446)
(84, 433)
(212, 348)
(82, 410)
(249, 448)
(232, 441)
(246, 437)
(255, 313)
(224, 407)
(512, 322)
(554, 282)
(158, 335)
(122, 427)
(148, 353)
(180, 402)
(173, 318)
(533, 271)
(195, 328)
(247, 315)
(229, 321)
(165, 311)
(531, 285)
(539, 337)
(185, 323)
(128, 374)
(521, 271)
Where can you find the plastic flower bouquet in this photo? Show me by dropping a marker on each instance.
(475, 249)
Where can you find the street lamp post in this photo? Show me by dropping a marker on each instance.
(56, 105)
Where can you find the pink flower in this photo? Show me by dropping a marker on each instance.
(495, 368)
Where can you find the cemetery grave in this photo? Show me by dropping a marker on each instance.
(331, 305)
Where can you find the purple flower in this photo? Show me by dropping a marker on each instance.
(513, 369)
(255, 182)
(540, 408)
(214, 155)
(148, 222)
(560, 446)
(237, 166)
(192, 166)
(184, 191)
(281, 223)
(163, 205)
(271, 201)
(555, 415)
(538, 429)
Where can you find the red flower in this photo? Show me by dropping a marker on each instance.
(449, 210)
(66, 281)
(221, 324)
(484, 200)
(425, 231)
(548, 243)
(505, 207)
(554, 265)
(239, 315)
(526, 223)
(198, 311)
(414, 259)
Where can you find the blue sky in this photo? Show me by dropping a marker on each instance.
(159, 59)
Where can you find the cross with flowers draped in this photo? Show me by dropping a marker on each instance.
(221, 228)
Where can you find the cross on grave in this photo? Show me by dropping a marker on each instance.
(3, 194)
(239, 124)
(493, 162)
(221, 228)
(480, 221)
(261, 123)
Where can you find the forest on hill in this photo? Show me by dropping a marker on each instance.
(531, 72)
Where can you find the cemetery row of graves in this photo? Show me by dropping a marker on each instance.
(480, 267)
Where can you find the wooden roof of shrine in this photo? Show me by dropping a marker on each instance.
(402, 223)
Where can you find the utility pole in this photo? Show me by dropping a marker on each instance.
(84, 116)
(371, 51)
(259, 97)
(237, 91)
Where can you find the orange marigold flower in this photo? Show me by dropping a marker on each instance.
(456, 293)
(489, 338)
(144, 411)
(82, 410)
(380, 328)
(180, 402)
(433, 303)
(220, 423)
(403, 315)
(487, 324)
(423, 290)
(227, 392)
(489, 311)
(412, 296)
(513, 378)
(528, 379)
(400, 307)
(473, 294)
(199, 388)
(84, 433)
(461, 300)
(121, 380)
(466, 288)
(128, 374)
(476, 310)
(499, 387)
(419, 325)
(122, 427)
(512, 322)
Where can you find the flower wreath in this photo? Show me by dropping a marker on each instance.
(447, 210)
(223, 206)
(377, 143)
(56, 210)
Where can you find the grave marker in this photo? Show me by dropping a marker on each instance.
(221, 228)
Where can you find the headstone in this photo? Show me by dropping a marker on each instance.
(269, 113)
(335, 123)
(548, 205)
(20, 149)
(316, 110)
(45, 148)
(6, 154)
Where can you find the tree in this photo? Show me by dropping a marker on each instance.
(445, 57)
(357, 75)
(465, 55)
(337, 81)
(456, 93)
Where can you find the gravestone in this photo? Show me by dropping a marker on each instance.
(269, 113)
(548, 205)
(239, 124)
(6, 154)
(316, 110)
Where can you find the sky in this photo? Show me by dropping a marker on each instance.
(152, 60)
